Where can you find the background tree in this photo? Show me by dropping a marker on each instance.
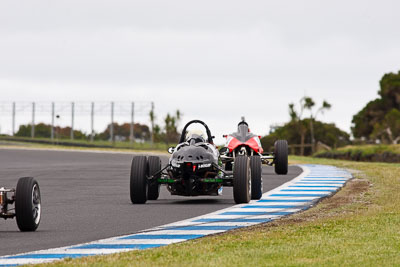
(309, 104)
(298, 123)
(296, 130)
(373, 121)
(327, 133)
(24, 131)
(157, 134)
(43, 130)
(122, 132)
(388, 130)
(169, 133)
(171, 127)
(296, 117)
(152, 120)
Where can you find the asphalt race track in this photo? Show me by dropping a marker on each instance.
(85, 197)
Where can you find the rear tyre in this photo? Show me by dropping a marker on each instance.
(138, 181)
(153, 189)
(256, 179)
(27, 204)
(281, 157)
(241, 180)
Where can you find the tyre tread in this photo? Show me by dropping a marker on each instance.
(23, 204)
(153, 191)
(138, 181)
(240, 180)
(281, 157)
(256, 177)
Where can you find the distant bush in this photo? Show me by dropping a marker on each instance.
(370, 153)
(327, 133)
(44, 131)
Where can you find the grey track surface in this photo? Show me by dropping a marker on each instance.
(85, 197)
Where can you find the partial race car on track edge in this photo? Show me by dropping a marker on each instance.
(27, 204)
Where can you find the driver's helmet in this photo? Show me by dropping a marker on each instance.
(243, 127)
(195, 136)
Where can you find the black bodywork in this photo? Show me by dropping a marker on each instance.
(195, 167)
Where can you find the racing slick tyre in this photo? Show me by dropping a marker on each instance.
(281, 157)
(27, 204)
(153, 189)
(242, 180)
(138, 183)
(256, 179)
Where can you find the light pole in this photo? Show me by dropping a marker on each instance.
(52, 121)
(72, 120)
(92, 122)
(33, 121)
(131, 136)
(112, 123)
(57, 128)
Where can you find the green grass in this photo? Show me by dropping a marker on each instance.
(383, 153)
(369, 149)
(359, 226)
(81, 144)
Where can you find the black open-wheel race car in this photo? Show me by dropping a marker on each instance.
(26, 202)
(197, 167)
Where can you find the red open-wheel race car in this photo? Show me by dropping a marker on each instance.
(246, 146)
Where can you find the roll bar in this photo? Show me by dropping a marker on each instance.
(209, 136)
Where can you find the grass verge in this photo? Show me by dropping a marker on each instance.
(43, 143)
(370, 153)
(359, 226)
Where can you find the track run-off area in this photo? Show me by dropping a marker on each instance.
(85, 197)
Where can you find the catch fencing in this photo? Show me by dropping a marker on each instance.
(89, 117)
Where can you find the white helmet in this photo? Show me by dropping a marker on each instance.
(196, 134)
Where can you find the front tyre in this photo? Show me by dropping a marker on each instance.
(28, 208)
(241, 180)
(153, 189)
(138, 181)
(256, 179)
(281, 157)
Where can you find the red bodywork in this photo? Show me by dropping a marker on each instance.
(254, 143)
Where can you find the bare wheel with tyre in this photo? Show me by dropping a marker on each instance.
(138, 180)
(153, 188)
(256, 177)
(281, 157)
(241, 180)
(28, 208)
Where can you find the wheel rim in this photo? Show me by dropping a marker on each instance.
(36, 205)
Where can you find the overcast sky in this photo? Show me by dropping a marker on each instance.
(213, 60)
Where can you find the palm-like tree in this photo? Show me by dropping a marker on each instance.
(306, 103)
(309, 104)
